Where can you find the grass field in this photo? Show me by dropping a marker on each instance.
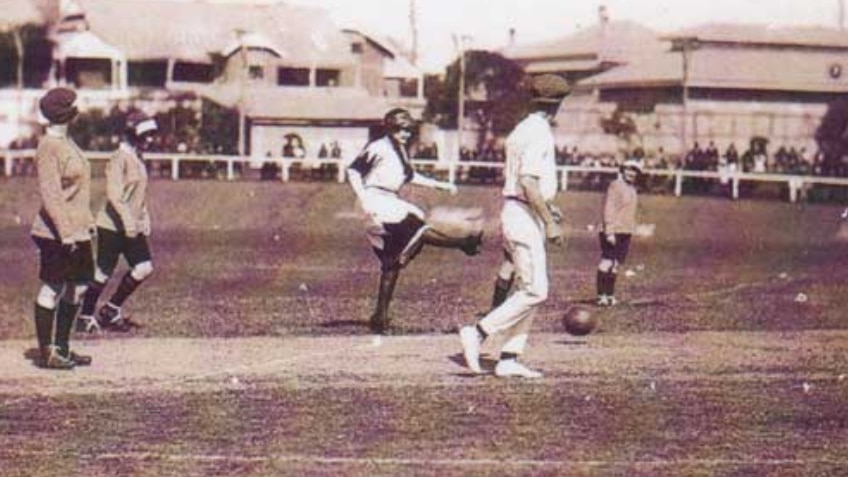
(713, 366)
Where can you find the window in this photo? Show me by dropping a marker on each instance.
(293, 76)
(357, 48)
(409, 88)
(91, 73)
(147, 74)
(193, 72)
(327, 77)
(255, 72)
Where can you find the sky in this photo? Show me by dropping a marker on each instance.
(487, 22)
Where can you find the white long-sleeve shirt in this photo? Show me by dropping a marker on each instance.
(530, 151)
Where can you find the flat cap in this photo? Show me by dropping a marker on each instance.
(549, 88)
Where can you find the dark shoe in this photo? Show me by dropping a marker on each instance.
(473, 245)
(122, 325)
(111, 319)
(79, 359)
(53, 359)
(379, 324)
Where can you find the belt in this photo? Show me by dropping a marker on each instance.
(382, 189)
(517, 199)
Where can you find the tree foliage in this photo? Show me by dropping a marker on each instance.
(38, 56)
(496, 93)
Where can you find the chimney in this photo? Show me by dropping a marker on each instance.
(603, 15)
(511, 37)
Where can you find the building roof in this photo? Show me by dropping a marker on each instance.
(296, 103)
(765, 35)
(396, 64)
(21, 12)
(87, 45)
(615, 41)
(158, 29)
(725, 68)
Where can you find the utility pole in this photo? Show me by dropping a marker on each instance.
(242, 120)
(459, 43)
(841, 14)
(413, 26)
(686, 46)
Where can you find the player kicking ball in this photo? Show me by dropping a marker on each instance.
(619, 224)
(397, 229)
(123, 226)
(529, 220)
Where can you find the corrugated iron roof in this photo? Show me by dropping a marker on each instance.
(158, 29)
(616, 41)
(725, 68)
(21, 12)
(813, 36)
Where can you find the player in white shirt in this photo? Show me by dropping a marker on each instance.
(397, 229)
(529, 219)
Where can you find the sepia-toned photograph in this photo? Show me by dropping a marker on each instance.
(423, 238)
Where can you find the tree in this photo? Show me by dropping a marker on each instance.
(496, 93)
(37, 53)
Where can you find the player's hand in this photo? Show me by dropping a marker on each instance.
(556, 213)
(450, 188)
(845, 214)
(144, 227)
(611, 239)
(553, 233)
(69, 245)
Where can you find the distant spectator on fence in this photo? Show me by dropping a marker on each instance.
(335, 150)
(293, 148)
(711, 157)
(760, 162)
(731, 158)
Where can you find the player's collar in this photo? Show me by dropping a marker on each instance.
(57, 130)
(127, 147)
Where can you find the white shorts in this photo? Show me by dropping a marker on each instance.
(394, 227)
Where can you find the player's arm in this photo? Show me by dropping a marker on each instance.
(50, 187)
(424, 181)
(115, 194)
(611, 206)
(358, 168)
(530, 184)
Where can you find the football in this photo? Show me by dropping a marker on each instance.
(579, 320)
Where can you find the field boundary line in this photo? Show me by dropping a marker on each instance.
(409, 461)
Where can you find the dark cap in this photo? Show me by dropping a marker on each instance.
(398, 118)
(549, 88)
(58, 105)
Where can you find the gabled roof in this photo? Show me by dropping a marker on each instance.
(21, 12)
(396, 64)
(616, 41)
(752, 34)
(728, 68)
(158, 29)
(86, 44)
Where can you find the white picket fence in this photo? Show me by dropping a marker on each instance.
(795, 183)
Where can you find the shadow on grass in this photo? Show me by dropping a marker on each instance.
(34, 357)
(486, 362)
(345, 324)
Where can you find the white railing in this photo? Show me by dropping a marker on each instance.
(794, 183)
